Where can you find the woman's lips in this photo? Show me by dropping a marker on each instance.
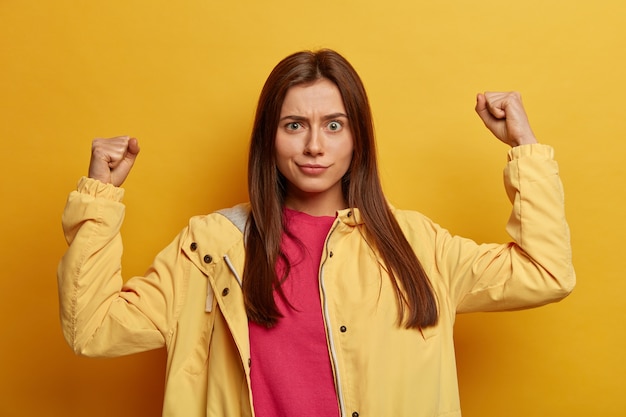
(312, 169)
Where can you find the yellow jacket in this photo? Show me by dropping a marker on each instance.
(190, 300)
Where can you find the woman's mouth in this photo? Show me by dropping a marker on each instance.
(312, 169)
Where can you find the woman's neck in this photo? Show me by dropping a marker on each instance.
(316, 206)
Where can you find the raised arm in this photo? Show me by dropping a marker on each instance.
(100, 315)
(536, 268)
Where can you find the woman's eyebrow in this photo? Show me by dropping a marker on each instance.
(335, 116)
(293, 117)
(302, 118)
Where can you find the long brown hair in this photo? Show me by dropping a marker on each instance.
(361, 187)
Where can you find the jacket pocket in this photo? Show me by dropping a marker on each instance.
(197, 359)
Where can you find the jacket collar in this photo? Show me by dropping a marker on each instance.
(350, 216)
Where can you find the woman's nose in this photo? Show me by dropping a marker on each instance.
(313, 145)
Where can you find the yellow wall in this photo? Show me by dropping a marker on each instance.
(184, 76)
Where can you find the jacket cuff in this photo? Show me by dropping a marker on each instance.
(95, 188)
(534, 150)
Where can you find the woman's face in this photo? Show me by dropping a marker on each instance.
(314, 147)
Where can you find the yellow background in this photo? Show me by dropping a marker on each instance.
(184, 77)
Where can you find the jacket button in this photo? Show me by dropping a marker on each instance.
(355, 414)
(343, 329)
(225, 292)
(193, 246)
(331, 254)
(207, 259)
(350, 215)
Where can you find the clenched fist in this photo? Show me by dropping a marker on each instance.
(112, 159)
(504, 115)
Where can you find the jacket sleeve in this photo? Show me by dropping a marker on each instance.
(100, 315)
(532, 270)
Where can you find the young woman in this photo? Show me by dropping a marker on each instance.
(316, 298)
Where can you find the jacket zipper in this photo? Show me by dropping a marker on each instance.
(329, 333)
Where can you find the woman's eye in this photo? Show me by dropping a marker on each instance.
(334, 126)
(293, 126)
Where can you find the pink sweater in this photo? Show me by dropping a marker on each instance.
(291, 372)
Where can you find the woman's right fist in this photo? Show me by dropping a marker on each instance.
(112, 159)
